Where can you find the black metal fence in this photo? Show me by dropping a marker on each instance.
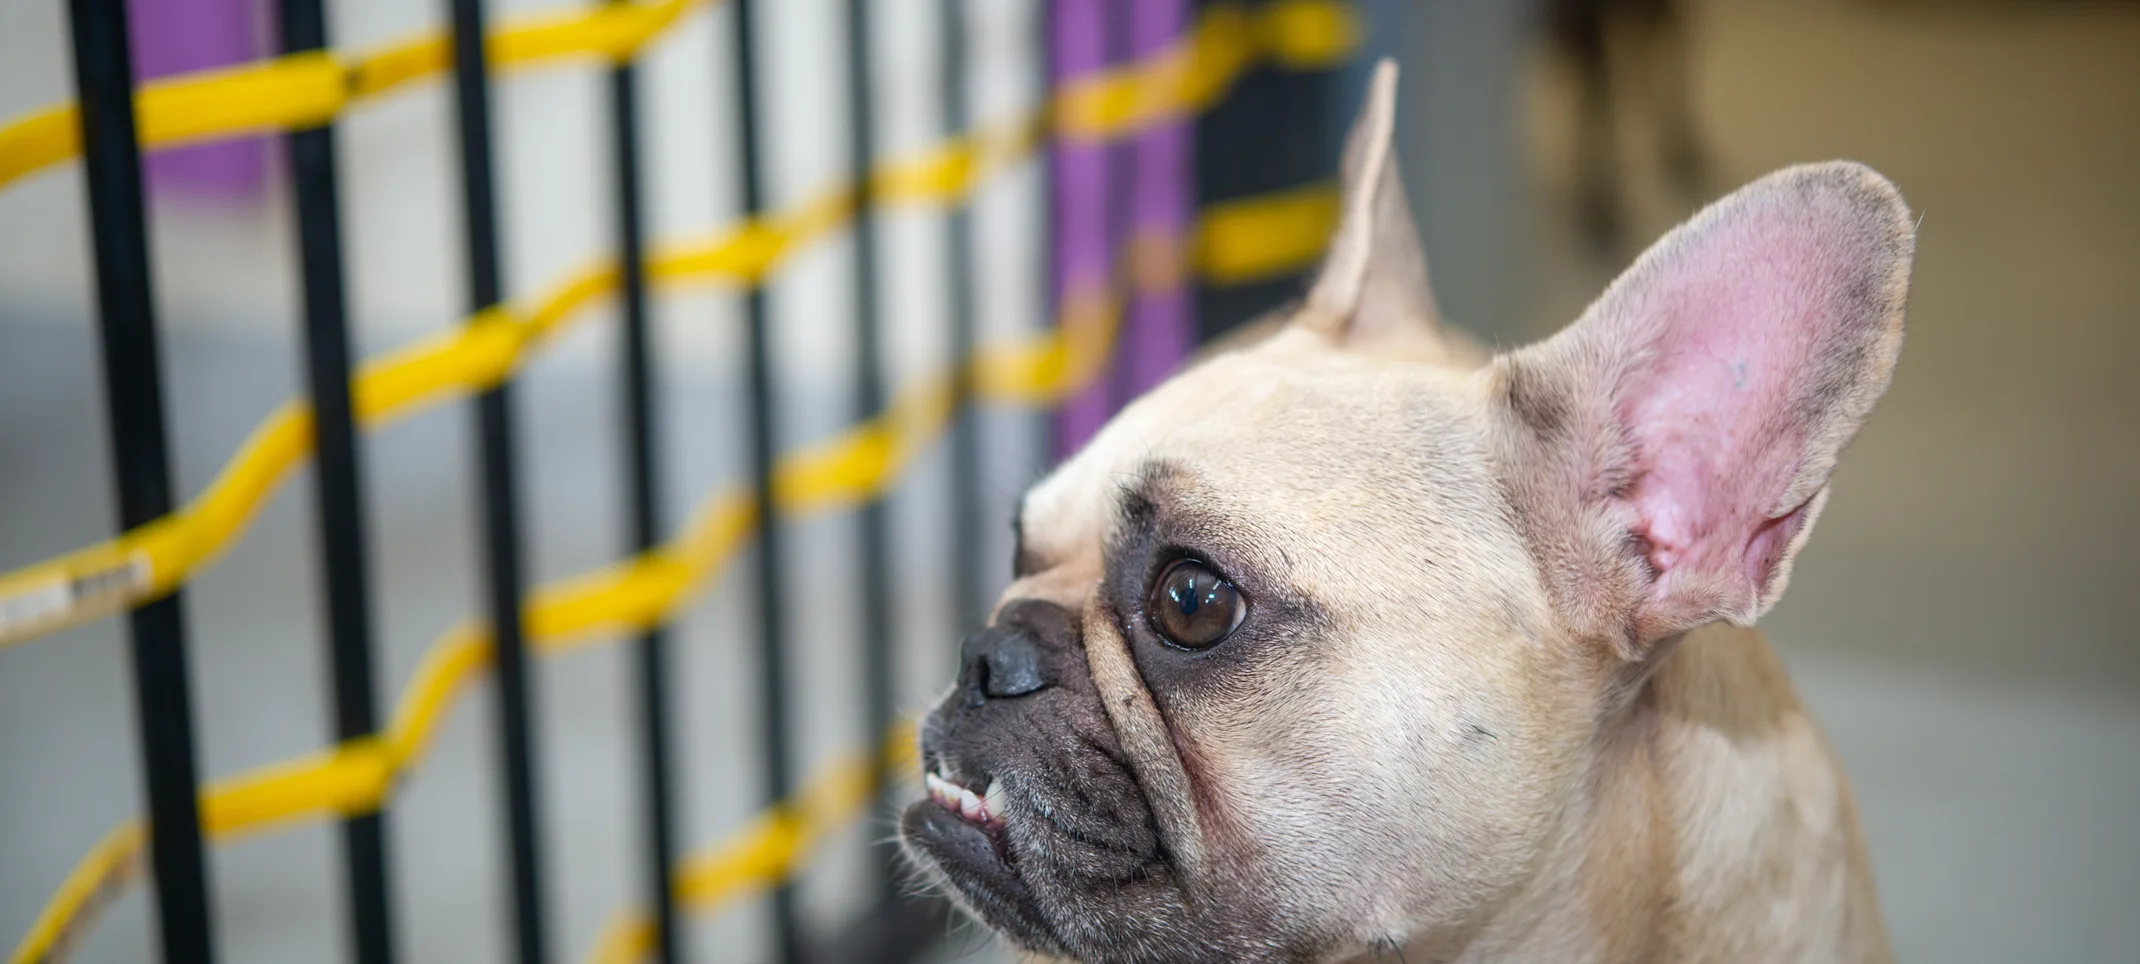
(1266, 212)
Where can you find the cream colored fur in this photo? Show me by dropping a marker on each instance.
(1509, 740)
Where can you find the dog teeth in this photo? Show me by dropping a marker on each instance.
(940, 790)
(974, 808)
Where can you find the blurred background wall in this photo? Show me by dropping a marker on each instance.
(1964, 623)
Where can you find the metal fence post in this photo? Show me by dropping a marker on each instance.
(969, 593)
(880, 670)
(133, 386)
(1236, 157)
(340, 485)
(764, 445)
(501, 517)
(643, 506)
(1044, 419)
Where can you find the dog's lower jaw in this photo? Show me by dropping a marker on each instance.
(1051, 904)
(973, 871)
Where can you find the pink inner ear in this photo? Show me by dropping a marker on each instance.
(1738, 317)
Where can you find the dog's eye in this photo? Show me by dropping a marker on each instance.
(1192, 607)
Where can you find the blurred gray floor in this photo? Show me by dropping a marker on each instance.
(1964, 623)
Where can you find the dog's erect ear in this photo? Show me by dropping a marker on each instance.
(1372, 291)
(1667, 453)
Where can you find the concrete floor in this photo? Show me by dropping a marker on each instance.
(1963, 623)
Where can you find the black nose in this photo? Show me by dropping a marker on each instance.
(1001, 662)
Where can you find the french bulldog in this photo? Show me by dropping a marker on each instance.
(1353, 642)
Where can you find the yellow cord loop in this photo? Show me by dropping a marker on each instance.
(1259, 237)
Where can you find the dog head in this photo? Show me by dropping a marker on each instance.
(1307, 650)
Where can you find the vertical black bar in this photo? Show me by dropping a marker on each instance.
(969, 603)
(644, 507)
(1120, 199)
(1051, 286)
(879, 669)
(341, 512)
(772, 615)
(1236, 157)
(501, 517)
(133, 386)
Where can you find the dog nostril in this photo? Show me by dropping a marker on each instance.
(1001, 663)
(1013, 668)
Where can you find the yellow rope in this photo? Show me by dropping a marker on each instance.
(302, 90)
(1253, 238)
(151, 560)
(1195, 74)
(762, 854)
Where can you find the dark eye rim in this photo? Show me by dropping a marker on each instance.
(1165, 565)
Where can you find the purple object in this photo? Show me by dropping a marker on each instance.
(1161, 321)
(1084, 243)
(1099, 204)
(181, 36)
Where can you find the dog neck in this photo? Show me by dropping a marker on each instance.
(1713, 824)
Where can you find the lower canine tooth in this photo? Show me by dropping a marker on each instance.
(994, 800)
(969, 805)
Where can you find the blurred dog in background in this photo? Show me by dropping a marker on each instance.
(1625, 54)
